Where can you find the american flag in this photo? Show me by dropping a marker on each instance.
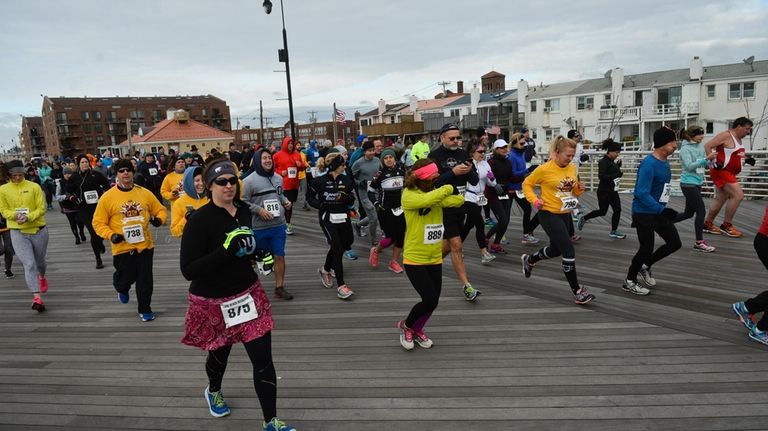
(341, 116)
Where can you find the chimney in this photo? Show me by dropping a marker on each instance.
(169, 114)
(382, 106)
(522, 95)
(460, 87)
(617, 84)
(474, 100)
(697, 69)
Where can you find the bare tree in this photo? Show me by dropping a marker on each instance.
(757, 121)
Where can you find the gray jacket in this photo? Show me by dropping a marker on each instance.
(265, 192)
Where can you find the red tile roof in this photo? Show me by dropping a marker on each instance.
(174, 131)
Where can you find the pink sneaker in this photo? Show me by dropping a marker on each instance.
(43, 282)
(395, 267)
(422, 340)
(373, 258)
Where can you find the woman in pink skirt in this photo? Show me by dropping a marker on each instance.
(227, 304)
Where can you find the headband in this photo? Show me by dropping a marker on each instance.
(426, 171)
(217, 169)
(335, 163)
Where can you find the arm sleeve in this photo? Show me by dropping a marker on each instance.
(178, 212)
(158, 209)
(472, 177)
(5, 209)
(312, 194)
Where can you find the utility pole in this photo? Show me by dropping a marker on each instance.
(128, 132)
(443, 84)
(312, 121)
(261, 124)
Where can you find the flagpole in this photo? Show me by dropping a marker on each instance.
(334, 123)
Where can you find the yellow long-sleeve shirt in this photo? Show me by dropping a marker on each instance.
(171, 182)
(179, 212)
(423, 233)
(127, 212)
(558, 186)
(26, 197)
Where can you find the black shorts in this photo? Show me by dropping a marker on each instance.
(453, 222)
(292, 195)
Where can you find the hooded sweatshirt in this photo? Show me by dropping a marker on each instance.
(694, 163)
(190, 200)
(287, 165)
(264, 189)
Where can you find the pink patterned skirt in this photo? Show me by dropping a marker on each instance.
(204, 325)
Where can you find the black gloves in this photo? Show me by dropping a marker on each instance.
(618, 163)
(240, 242)
(156, 222)
(669, 213)
(584, 158)
(750, 161)
(116, 238)
(499, 190)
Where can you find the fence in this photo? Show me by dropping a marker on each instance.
(753, 179)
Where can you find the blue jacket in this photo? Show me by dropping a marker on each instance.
(312, 153)
(355, 155)
(652, 175)
(517, 158)
(692, 158)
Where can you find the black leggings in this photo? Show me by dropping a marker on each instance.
(556, 227)
(501, 209)
(76, 225)
(339, 237)
(646, 225)
(694, 204)
(760, 302)
(474, 220)
(6, 247)
(428, 282)
(605, 199)
(292, 196)
(86, 217)
(529, 224)
(393, 226)
(264, 376)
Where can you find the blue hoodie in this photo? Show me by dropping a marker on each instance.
(692, 158)
(188, 182)
(517, 158)
(312, 153)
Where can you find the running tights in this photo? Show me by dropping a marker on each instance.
(76, 225)
(694, 204)
(428, 282)
(339, 237)
(474, 220)
(264, 376)
(646, 225)
(604, 200)
(86, 216)
(501, 209)
(556, 227)
(6, 247)
(529, 224)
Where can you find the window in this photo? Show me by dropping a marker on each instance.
(99, 139)
(113, 140)
(365, 122)
(87, 128)
(455, 112)
(585, 102)
(710, 128)
(85, 116)
(607, 100)
(533, 106)
(61, 117)
(670, 96)
(710, 91)
(97, 127)
(552, 105)
(89, 140)
(137, 114)
(156, 115)
(205, 112)
(549, 134)
(112, 115)
(741, 90)
(97, 115)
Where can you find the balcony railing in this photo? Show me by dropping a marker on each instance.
(672, 110)
(631, 113)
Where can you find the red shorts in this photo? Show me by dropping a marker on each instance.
(721, 177)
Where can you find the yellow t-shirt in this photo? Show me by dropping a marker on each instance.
(171, 182)
(127, 212)
(179, 212)
(558, 187)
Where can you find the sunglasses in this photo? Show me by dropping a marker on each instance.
(455, 138)
(124, 170)
(224, 181)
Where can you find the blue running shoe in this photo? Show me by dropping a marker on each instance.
(123, 297)
(277, 425)
(216, 404)
(759, 336)
(740, 310)
(350, 254)
(147, 317)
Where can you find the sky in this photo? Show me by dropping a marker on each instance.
(347, 52)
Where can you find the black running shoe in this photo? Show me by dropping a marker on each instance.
(527, 266)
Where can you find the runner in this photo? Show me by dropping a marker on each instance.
(88, 186)
(227, 304)
(519, 171)
(123, 216)
(498, 196)
(22, 205)
(388, 187)
(150, 170)
(363, 171)
(420, 149)
(475, 200)
(194, 197)
(288, 163)
(332, 195)
(6, 245)
(726, 165)
(263, 191)
(609, 173)
(423, 204)
(557, 179)
(693, 163)
(456, 168)
(68, 205)
(650, 213)
(744, 310)
(173, 183)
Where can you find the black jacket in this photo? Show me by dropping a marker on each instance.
(607, 171)
(388, 184)
(331, 195)
(446, 160)
(82, 182)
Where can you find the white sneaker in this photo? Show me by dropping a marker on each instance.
(632, 286)
(487, 258)
(646, 277)
(703, 246)
(530, 239)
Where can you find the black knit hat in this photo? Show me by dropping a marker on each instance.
(663, 136)
(123, 163)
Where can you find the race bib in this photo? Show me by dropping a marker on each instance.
(133, 233)
(700, 171)
(569, 203)
(482, 200)
(520, 194)
(665, 193)
(91, 196)
(337, 218)
(272, 206)
(504, 197)
(461, 189)
(292, 171)
(24, 211)
(433, 233)
(616, 183)
(397, 211)
(152, 171)
(239, 310)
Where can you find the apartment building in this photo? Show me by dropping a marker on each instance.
(318, 130)
(32, 139)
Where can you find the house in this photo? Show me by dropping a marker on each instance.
(179, 132)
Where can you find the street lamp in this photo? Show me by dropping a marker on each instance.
(282, 55)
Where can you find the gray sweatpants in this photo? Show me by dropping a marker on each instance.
(31, 250)
(370, 220)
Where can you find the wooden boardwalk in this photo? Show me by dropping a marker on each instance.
(523, 357)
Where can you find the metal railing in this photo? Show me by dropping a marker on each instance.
(753, 179)
(620, 114)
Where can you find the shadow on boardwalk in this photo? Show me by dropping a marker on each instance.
(524, 357)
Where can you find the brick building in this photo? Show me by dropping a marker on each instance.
(306, 132)
(74, 125)
(493, 82)
(32, 139)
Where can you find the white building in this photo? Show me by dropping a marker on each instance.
(629, 108)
